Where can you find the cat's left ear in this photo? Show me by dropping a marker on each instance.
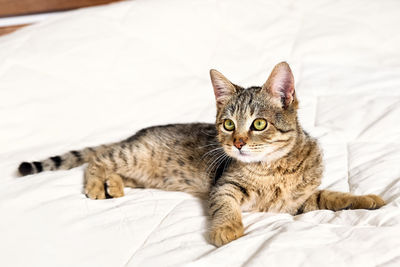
(223, 88)
(280, 85)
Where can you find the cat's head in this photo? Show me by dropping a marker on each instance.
(257, 124)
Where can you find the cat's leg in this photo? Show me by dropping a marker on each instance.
(114, 185)
(130, 182)
(101, 179)
(115, 167)
(325, 199)
(225, 213)
(94, 182)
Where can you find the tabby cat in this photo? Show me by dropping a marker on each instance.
(256, 157)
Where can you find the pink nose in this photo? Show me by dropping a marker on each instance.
(239, 143)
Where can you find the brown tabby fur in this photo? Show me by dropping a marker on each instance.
(279, 171)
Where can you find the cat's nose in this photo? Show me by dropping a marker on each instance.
(239, 143)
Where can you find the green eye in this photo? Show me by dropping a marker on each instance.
(229, 125)
(259, 124)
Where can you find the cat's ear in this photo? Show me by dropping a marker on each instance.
(223, 88)
(280, 85)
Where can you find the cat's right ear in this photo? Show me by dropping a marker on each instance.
(223, 88)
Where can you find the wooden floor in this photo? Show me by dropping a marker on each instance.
(10, 29)
(23, 7)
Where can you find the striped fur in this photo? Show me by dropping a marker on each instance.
(273, 169)
(65, 161)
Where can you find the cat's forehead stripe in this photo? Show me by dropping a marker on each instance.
(245, 103)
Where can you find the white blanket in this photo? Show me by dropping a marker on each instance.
(97, 75)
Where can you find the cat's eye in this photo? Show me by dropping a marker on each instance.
(229, 125)
(259, 124)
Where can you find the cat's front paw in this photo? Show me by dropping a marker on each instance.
(224, 234)
(369, 202)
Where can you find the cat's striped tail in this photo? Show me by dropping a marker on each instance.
(65, 161)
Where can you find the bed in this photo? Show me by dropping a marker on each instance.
(97, 75)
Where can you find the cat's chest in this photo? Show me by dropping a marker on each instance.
(263, 199)
(271, 194)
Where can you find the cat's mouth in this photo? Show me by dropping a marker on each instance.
(244, 154)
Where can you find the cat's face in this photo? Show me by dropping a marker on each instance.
(258, 124)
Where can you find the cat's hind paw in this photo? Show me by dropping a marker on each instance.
(115, 186)
(95, 190)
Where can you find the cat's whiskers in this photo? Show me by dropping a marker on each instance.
(211, 152)
(278, 141)
(216, 154)
(227, 163)
(217, 162)
(214, 144)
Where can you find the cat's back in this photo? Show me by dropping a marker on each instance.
(188, 135)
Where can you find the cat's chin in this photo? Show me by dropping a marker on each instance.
(247, 157)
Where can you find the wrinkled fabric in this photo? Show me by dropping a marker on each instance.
(99, 74)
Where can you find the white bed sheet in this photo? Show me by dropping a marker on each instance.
(97, 75)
